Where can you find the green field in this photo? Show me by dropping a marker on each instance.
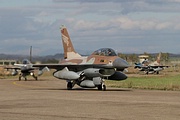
(153, 82)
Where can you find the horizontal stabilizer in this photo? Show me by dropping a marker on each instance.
(40, 72)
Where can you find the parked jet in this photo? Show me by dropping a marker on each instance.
(26, 68)
(151, 68)
(90, 71)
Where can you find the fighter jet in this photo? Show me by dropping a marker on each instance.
(150, 68)
(90, 71)
(25, 69)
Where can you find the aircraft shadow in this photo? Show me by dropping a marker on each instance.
(84, 89)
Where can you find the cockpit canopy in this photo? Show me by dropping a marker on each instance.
(26, 61)
(105, 52)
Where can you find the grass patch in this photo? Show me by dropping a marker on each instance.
(155, 82)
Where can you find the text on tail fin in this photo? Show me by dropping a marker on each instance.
(68, 47)
(69, 51)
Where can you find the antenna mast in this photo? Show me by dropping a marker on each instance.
(30, 57)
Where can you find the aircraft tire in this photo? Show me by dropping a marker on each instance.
(104, 87)
(69, 86)
(99, 87)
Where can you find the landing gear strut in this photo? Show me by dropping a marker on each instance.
(35, 77)
(69, 86)
(20, 76)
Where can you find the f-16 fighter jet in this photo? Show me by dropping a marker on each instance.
(90, 71)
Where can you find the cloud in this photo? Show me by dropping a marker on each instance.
(100, 23)
(124, 23)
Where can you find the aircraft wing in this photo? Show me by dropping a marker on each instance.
(159, 66)
(72, 67)
(19, 67)
(12, 67)
(70, 71)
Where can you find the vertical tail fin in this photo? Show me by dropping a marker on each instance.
(69, 51)
(158, 60)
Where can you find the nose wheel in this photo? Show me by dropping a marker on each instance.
(102, 86)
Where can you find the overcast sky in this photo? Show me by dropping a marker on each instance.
(127, 26)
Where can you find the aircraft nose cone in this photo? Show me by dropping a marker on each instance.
(120, 63)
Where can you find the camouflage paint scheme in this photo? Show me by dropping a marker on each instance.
(150, 68)
(87, 71)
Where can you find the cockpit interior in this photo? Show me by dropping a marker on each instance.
(105, 52)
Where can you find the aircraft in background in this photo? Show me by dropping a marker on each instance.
(90, 71)
(26, 68)
(147, 67)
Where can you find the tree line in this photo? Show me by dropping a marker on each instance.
(152, 57)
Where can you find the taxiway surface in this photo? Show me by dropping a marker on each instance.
(48, 99)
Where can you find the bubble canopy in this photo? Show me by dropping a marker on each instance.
(26, 61)
(105, 52)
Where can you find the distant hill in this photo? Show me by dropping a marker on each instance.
(171, 55)
(57, 57)
(42, 59)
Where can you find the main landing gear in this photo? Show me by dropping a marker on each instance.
(21, 75)
(102, 87)
(69, 86)
(25, 78)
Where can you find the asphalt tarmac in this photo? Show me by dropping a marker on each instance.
(48, 99)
